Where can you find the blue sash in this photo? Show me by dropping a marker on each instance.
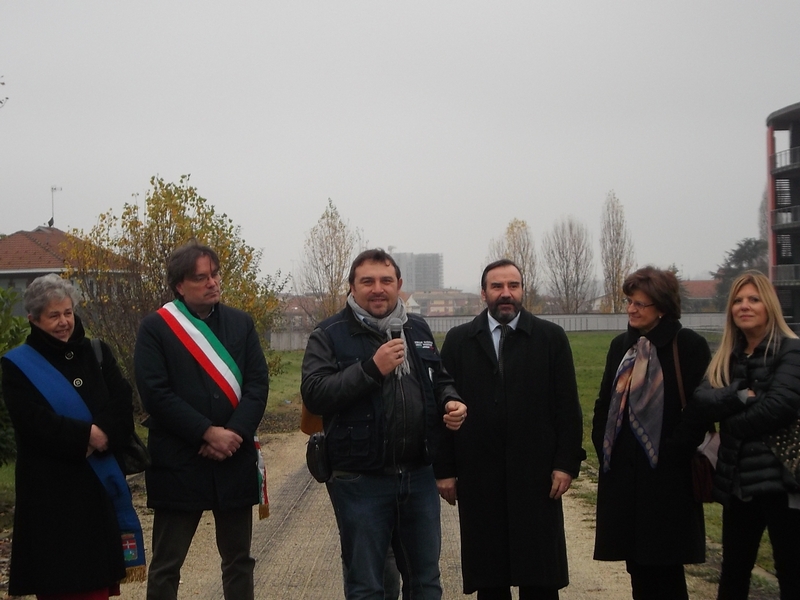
(65, 401)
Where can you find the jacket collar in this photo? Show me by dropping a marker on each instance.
(479, 329)
(659, 336)
(356, 327)
(44, 342)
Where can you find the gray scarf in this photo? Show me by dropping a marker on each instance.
(382, 326)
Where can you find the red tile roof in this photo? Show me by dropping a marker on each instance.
(41, 248)
(700, 289)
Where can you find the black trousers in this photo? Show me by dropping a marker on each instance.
(743, 524)
(657, 582)
(173, 531)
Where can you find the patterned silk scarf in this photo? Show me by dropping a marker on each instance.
(639, 385)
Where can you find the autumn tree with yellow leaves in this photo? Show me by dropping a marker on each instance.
(120, 265)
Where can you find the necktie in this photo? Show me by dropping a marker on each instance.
(503, 333)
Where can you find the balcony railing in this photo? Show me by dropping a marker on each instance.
(789, 215)
(789, 274)
(786, 159)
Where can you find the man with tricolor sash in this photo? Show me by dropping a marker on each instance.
(204, 381)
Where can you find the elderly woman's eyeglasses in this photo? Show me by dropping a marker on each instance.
(637, 305)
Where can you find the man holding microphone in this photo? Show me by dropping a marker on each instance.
(374, 374)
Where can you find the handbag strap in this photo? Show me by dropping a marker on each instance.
(677, 360)
(98, 351)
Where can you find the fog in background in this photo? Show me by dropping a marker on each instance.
(429, 124)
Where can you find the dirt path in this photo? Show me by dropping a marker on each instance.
(298, 554)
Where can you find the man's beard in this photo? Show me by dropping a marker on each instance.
(504, 317)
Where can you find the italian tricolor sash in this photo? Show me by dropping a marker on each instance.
(214, 358)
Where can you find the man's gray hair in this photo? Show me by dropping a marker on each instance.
(46, 289)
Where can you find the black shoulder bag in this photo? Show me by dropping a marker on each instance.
(317, 460)
(133, 457)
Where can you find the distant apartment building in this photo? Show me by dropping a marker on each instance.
(445, 303)
(783, 197)
(420, 272)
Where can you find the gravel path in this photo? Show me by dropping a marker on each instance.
(297, 547)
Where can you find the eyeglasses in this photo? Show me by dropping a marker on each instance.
(637, 305)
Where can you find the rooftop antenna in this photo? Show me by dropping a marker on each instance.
(53, 190)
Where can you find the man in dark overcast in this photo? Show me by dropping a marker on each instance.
(519, 451)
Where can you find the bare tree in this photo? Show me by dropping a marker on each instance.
(330, 248)
(616, 253)
(568, 256)
(517, 245)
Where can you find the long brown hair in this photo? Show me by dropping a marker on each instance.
(718, 372)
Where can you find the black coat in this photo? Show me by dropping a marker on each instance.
(643, 514)
(514, 436)
(66, 536)
(746, 466)
(183, 402)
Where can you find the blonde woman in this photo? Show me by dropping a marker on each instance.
(753, 390)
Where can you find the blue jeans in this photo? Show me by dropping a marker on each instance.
(369, 509)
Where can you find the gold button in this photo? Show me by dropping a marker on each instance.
(70, 355)
(78, 382)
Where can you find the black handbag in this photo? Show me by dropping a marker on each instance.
(317, 457)
(702, 464)
(317, 460)
(785, 444)
(133, 457)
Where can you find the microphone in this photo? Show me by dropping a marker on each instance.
(395, 326)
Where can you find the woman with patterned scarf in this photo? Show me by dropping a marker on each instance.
(646, 511)
(76, 534)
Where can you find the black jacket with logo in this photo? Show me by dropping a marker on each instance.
(380, 422)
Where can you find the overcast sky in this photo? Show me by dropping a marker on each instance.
(429, 124)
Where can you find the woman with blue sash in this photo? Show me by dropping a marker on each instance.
(76, 534)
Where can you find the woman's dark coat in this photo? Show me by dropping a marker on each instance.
(746, 465)
(643, 514)
(66, 537)
(184, 401)
(514, 436)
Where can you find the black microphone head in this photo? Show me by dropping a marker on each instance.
(395, 326)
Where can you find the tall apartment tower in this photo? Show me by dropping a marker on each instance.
(420, 272)
(783, 199)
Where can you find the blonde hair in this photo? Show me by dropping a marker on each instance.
(718, 372)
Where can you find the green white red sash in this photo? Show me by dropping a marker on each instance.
(206, 349)
(214, 358)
